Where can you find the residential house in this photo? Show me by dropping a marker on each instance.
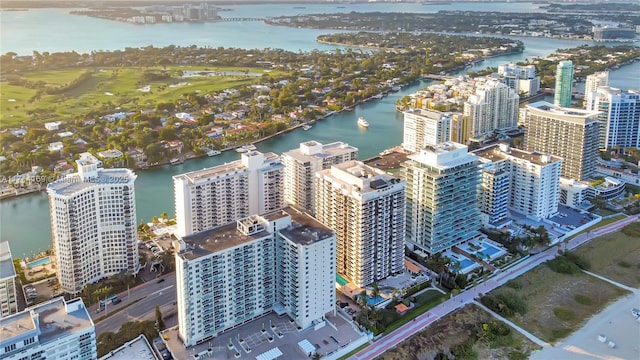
(53, 126)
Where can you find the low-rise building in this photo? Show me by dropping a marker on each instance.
(57, 329)
(138, 349)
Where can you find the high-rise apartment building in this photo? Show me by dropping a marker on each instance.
(494, 106)
(425, 127)
(220, 195)
(534, 181)
(460, 128)
(564, 84)
(593, 82)
(283, 261)
(521, 78)
(56, 329)
(301, 165)
(93, 224)
(442, 210)
(8, 299)
(571, 134)
(493, 194)
(619, 118)
(366, 208)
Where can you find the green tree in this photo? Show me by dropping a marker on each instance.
(159, 321)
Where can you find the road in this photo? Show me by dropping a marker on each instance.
(141, 305)
(419, 323)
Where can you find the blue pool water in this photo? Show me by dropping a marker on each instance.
(465, 264)
(340, 280)
(43, 261)
(489, 250)
(374, 301)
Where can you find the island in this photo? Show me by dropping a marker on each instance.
(141, 107)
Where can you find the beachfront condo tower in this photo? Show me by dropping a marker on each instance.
(442, 185)
(568, 133)
(366, 208)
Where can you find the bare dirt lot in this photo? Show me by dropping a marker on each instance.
(469, 333)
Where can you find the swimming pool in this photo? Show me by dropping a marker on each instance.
(341, 281)
(489, 250)
(374, 301)
(43, 261)
(465, 263)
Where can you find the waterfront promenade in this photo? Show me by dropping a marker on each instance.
(399, 335)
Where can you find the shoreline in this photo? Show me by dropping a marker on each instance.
(191, 156)
(615, 322)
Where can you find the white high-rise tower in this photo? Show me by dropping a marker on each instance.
(93, 223)
(301, 165)
(220, 195)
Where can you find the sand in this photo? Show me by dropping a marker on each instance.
(615, 322)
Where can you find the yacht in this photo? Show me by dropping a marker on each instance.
(176, 161)
(245, 148)
(213, 152)
(363, 122)
(306, 127)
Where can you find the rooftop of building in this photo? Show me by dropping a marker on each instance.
(562, 113)
(73, 183)
(56, 318)
(138, 348)
(498, 152)
(303, 230)
(226, 168)
(443, 156)
(609, 90)
(6, 262)
(359, 175)
(427, 113)
(312, 150)
(59, 318)
(16, 325)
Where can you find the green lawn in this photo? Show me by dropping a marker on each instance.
(616, 256)
(557, 304)
(109, 88)
(600, 224)
(425, 301)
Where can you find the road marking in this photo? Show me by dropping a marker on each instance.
(161, 290)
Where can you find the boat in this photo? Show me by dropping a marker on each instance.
(363, 122)
(306, 127)
(176, 161)
(213, 152)
(396, 88)
(377, 96)
(245, 148)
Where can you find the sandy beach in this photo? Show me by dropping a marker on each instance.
(615, 322)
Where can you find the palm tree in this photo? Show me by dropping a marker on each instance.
(375, 291)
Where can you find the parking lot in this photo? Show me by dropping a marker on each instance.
(267, 333)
